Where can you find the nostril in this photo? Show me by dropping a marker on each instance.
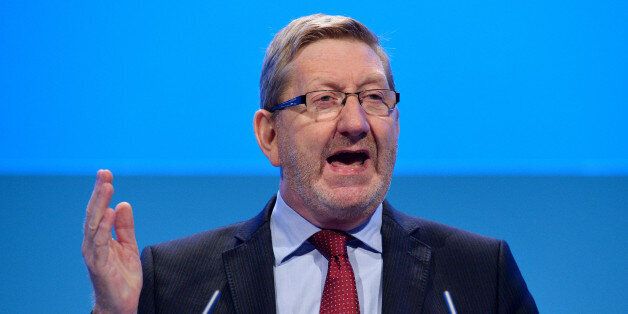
(353, 121)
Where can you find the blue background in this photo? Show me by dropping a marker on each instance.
(513, 125)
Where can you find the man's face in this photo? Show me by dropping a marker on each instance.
(336, 172)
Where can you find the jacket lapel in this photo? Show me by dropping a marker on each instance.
(249, 266)
(406, 264)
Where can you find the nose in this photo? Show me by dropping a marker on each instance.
(352, 120)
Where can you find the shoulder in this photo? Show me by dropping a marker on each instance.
(439, 236)
(177, 274)
(211, 243)
(478, 268)
(202, 243)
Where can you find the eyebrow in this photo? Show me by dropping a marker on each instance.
(374, 78)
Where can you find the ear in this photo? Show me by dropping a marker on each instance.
(266, 135)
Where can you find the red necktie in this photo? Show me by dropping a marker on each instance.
(339, 294)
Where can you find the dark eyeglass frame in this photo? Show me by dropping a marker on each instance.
(302, 98)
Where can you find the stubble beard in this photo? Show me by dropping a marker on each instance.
(342, 206)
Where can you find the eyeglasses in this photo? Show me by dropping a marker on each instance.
(327, 104)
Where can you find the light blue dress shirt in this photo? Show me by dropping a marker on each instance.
(300, 270)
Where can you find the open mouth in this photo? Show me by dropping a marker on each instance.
(347, 158)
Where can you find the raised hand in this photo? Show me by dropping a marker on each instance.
(114, 264)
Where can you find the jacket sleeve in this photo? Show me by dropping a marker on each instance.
(513, 295)
(147, 297)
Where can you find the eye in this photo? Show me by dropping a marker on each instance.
(322, 100)
(374, 95)
(323, 96)
(326, 98)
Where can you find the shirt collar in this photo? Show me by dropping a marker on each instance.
(289, 231)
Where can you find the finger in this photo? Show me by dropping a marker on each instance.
(101, 202)
(101, 196)
(101, 176)
(90, 204)
(124, 224)
(102, 237)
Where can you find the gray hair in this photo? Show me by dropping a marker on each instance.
(302, 32)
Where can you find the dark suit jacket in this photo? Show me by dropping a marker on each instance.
(421, 260)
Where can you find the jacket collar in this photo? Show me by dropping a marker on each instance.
(249, 265)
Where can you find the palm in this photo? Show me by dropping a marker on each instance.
(114, 264)
(123, 273)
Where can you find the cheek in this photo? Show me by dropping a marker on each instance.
(314, 137)
(386, 133)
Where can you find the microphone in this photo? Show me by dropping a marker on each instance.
(211, 305)
(450, 302)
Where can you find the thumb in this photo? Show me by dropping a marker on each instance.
(124, 225)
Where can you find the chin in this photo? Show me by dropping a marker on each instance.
(351, 204)
(351, 197)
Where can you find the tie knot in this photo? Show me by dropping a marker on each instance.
(330, 242)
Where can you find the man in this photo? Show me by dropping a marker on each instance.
(328, 241)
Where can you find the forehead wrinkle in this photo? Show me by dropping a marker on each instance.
(327, 80)
(378, 78)
(315, 69)
(323, 83)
